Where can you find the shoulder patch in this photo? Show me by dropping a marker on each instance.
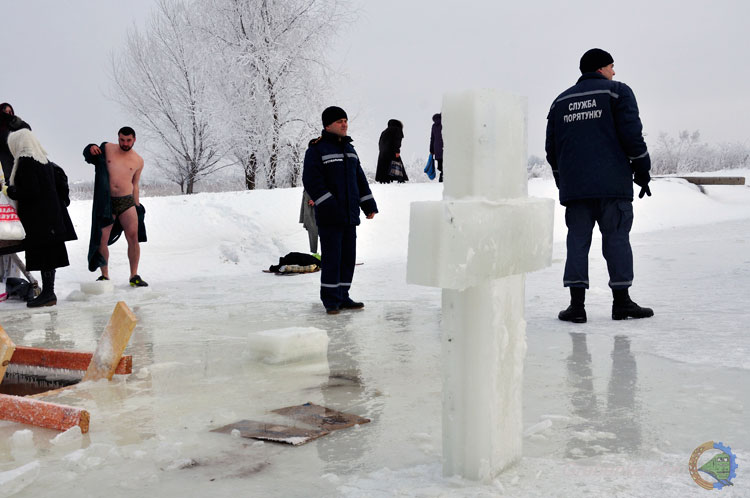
(314, 141)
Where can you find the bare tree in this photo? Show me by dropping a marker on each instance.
(269, 64)
(162, 81)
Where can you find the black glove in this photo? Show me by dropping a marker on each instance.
(642, 179)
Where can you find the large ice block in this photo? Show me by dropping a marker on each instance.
(459, 244)
(484, 135)
(288, 345)
(476, 244)
(484, 345)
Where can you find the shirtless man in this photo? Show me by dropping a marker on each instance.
(124, 166)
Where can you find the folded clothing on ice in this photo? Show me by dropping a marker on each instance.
(296, 262)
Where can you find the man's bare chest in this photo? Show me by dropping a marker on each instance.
(121, 164)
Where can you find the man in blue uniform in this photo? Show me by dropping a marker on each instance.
(596, 149)
(333, 177)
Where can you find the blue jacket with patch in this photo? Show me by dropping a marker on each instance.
(595, 140)
(333, 177)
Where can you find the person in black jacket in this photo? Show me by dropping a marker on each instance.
(332, 175)
(41, 189)
(596, 149)
(436, 142)
(389, 147)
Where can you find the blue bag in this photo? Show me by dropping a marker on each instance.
(430, 168)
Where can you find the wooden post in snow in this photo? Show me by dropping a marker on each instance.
(112, 344)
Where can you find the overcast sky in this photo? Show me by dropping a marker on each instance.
(686, 64)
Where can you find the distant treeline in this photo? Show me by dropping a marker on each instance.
(685, 153)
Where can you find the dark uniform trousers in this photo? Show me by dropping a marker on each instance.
(615, 218)
(338, 244)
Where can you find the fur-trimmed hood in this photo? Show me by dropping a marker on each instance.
(23, 143)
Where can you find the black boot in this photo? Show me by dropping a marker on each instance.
(576, 312)
(47, 297)
(623, 307)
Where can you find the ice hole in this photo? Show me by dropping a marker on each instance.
(26, 380)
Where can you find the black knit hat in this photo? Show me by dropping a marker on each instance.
(333, 114)
(594, 59)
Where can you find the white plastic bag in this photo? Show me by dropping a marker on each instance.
(10, 225)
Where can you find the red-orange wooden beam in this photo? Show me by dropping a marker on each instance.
(55, 358)
(42, 413)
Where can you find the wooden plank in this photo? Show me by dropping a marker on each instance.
(714, 180)
(276, 433)
(319, 416)
(42, 413)
(7, 349)
(71, 360)
(112, 344)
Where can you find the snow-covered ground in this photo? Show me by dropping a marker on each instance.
(610, 408)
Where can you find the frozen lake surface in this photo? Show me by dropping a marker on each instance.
(610, 408)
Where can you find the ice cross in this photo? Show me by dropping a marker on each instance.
(476, 244)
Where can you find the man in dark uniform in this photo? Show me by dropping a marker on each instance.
(333, 177)
(596, 149)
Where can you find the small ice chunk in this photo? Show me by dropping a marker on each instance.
(70, 436)
(22, 445)
(182, 463)
(13, 481)
(97, 287)
(22, 440)
(288, 345)
(540, 427)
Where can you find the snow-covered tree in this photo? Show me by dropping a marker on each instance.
(161, 80)
(268, 61)
(688, 154)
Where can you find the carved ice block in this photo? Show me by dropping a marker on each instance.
(464, 243)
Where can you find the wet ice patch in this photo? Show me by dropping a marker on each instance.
(77, 296)
(13, 481)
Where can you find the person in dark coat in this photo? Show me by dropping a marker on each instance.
(8, 122)
(332, 175)
(389, 147)
(596, 149)
(41, 189)
(436, 142)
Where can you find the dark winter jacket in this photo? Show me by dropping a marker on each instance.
(333, 176)
(43, 198)
(389, 145)
(436, 137)
(101, 211)
(595, 141)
